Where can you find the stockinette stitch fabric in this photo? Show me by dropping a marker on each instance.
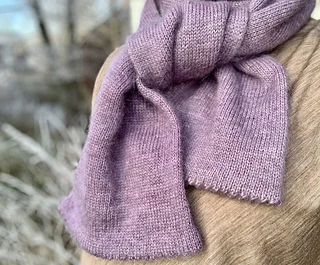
(190, 100)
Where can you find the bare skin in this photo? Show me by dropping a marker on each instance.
(237, 232)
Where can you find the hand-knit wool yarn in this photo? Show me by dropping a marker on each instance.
(190, 99)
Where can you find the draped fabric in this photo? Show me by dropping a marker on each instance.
(190, 100)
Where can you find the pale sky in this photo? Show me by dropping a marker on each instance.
(16, 16)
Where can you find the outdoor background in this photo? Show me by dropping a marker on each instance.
(50, 54)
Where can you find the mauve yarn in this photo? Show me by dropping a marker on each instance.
(192, 100)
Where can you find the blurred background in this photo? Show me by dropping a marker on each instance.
(50, 54)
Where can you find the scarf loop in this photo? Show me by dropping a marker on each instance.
(190, 100)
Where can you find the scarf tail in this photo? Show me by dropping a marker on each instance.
(129, 200)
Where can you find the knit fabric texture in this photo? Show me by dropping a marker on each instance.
(190, 100)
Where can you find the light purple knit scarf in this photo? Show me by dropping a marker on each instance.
(190, 100)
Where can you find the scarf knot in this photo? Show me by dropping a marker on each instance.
(183, 45)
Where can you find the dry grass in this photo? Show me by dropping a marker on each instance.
(34, 176)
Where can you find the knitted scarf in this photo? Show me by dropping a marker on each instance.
(190, 100)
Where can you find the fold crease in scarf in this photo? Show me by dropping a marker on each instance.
(190, 100)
